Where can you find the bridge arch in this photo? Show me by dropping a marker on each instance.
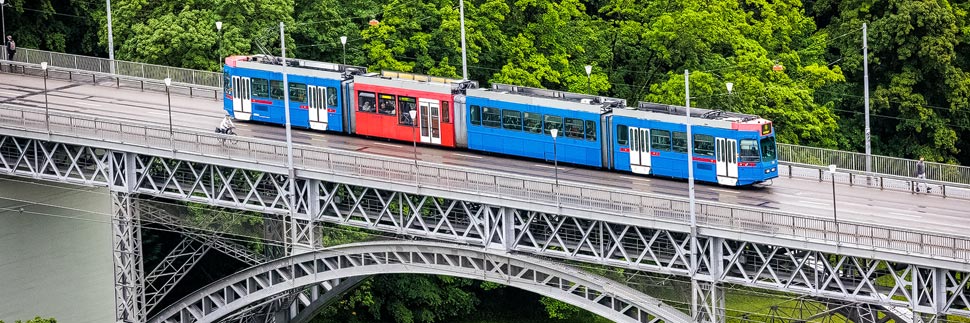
(599, 295)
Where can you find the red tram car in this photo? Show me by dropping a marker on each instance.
(382, 104)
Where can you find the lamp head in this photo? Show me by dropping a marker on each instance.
(168, 81)
(730, 87)
(343, 40)
(555, 133)
(832, 168)
(43, 66)
(219, 25)
(589, 69)
(2, 1)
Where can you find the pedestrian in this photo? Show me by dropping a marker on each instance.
(921, 175)
(11, 47)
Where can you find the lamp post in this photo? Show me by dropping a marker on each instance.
(835, 213)
(47, 118)
(589, 85)
(168, 83)
(343, 42)
(414, 124)
(865, 84)
(219, 51)
(3, 20)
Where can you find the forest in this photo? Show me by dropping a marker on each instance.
(797, 63)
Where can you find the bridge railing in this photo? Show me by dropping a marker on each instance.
(121, 68)
(794, 154)
(576, 198)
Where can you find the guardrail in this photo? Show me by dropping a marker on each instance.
(589, 199)
(137, 75)
(854, 161)
(787, 153)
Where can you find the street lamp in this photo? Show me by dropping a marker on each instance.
(219, 52)
(414, 124)
(168, 83)
(464, 60)
(589, 86)
(835, 213)
(47, 117)
(3, 20)
(343, 42)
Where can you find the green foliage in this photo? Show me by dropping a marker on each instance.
(558, 309)
(405, 299)
(37, 319)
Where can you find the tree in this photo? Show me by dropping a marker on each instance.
(917, 72)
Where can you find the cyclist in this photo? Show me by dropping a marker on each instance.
(226, 126)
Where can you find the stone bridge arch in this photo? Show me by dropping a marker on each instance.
(599, 295)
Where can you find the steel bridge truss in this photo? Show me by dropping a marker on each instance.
(650, 247)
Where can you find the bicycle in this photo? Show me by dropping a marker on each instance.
(229, 134)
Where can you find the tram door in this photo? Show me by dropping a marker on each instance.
(727, 161)
(316, 98)
(429, 112)
(242, 99)
(640, 150)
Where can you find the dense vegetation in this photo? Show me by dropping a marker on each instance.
(918, 49)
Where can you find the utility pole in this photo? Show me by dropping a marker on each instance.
(695, 286)
(464, 59)
(289, 139)
(111, 43)
(865, 84)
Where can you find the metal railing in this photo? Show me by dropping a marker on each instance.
(584, 199)
(880, 164)
(125, 68)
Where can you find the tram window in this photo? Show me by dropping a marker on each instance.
(445, 112)
(622, 134)
(406, 105)
(704, 145)
(260, 88)
(474, 114)
(574, 128)
(512, 120)
(679, 142)
(297, 92)
(226, 83)
(749, 151)
(532, 122)
(276, 90)
(386, 104)
(552, 122)
(366, 102)
(331, 96)
(590, 130)
(768, 149)
(660, 140)
(491, 117)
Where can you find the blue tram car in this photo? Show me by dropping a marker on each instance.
(516, 120)
(254, 91)
(730, 149)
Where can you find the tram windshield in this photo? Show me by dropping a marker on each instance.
(749, 150)
(768, 149)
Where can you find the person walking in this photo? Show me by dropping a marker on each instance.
(11, 48)
(921, 176)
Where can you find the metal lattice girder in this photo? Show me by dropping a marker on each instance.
(171, 270)
(611, 300)
(710, 302)
(128, 270)
(160, 216)
(55, 161)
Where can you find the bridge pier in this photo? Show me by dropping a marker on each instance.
(126, 241)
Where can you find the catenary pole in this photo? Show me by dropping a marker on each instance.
(111, 43)
(464, 58)
(289, 136)
(865, 85)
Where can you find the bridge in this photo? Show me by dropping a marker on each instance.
(886, 248)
